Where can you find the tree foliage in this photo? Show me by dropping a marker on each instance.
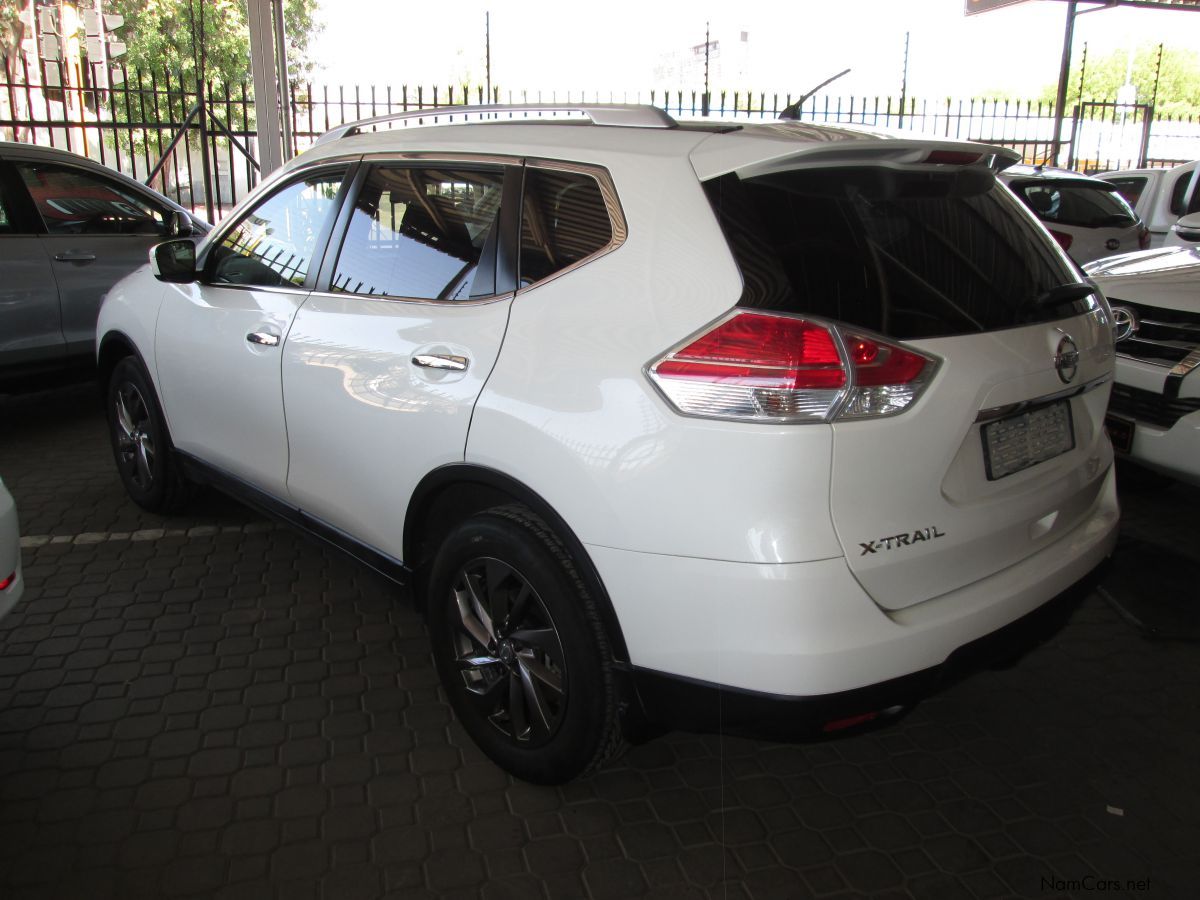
(1103, 77)
(181, 36)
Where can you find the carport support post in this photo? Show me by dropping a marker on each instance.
(1064, 73)
(268, 66)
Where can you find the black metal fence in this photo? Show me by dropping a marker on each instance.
(200, 146)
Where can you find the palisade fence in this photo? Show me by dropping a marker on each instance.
(204, 154)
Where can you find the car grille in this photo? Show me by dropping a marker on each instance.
(1149, 407)
(1164, 336)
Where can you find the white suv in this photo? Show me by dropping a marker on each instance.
(703, 425)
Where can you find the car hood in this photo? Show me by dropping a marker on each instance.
(1168, 277)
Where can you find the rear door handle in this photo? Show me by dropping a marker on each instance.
(263, 339)
(441, 361)
(75, 256)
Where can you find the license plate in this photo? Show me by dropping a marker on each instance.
(1026, 439)
(1120, 432)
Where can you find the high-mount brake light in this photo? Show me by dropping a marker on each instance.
(952, 158)
(767, 367)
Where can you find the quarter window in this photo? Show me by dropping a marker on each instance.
(422, 233)
(563, 220)
(273, 244)
(72, 201)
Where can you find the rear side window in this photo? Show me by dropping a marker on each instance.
(908, 254)
(1080, 204)
(563, 220)
(422, 233)
(1130, 187)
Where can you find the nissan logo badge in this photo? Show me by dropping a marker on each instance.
(1066, 360)
(1112, 243)
(1125, 323)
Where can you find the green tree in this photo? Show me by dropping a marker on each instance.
(1178, 83)
(169, 35)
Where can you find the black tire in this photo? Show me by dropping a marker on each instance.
(520, 648)
(140, 442)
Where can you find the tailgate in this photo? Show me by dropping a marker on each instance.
(914, 504)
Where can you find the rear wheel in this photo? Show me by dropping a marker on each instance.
(141, 446)
(520, 648)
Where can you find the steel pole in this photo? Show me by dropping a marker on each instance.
(1064, 73)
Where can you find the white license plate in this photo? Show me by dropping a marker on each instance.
(1028, 438)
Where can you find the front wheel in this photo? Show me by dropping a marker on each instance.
(520, 648)
(140, 443)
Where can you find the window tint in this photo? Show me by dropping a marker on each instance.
(1081, 204)
(908, 254)
(421, 233)
(563, 220)
(273, 245)
(73, 201)
(1129, 187)
(1179, 193)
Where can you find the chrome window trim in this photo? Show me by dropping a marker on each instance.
(608, 192)
(416, 301)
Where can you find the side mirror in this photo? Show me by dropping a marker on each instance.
(179, 224)
(1187, 229)
(174, 261)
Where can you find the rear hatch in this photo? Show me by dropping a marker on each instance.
(1003, 450)
(1088, 217)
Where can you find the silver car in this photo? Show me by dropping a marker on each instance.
(70, 228)
(11, 583)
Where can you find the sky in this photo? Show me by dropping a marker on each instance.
(764, 45)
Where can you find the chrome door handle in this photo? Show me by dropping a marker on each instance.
(441, 361)
(74, 256)
(263, 339)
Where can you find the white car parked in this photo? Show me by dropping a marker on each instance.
(1159, 196)
(12, 585)
(1088, 217)
(1154, 414)
(706, 425)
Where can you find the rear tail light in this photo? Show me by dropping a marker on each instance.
(767, 367)
(4, 583)
(1064, 240)
(1143, 238)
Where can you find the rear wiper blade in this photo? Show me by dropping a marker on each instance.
(1064, 293)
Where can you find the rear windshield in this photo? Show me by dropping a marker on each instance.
(906, 254)
(1078, 203)
(1129, 186)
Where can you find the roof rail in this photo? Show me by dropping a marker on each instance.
(627, 115)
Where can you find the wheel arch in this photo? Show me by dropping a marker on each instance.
(450, 493)
(114, 347)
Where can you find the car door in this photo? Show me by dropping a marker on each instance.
(218, 340)
(97, 230)
(383, 365)
(30, 326)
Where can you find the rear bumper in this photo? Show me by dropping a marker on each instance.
(807, 633)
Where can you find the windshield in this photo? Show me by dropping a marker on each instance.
(909, 254)
(1077, 203)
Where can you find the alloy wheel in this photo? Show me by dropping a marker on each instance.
(508, 651)
(135, 438)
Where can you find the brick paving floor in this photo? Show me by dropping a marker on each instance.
(210, 706)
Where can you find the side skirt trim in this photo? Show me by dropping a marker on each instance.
(203, 473)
